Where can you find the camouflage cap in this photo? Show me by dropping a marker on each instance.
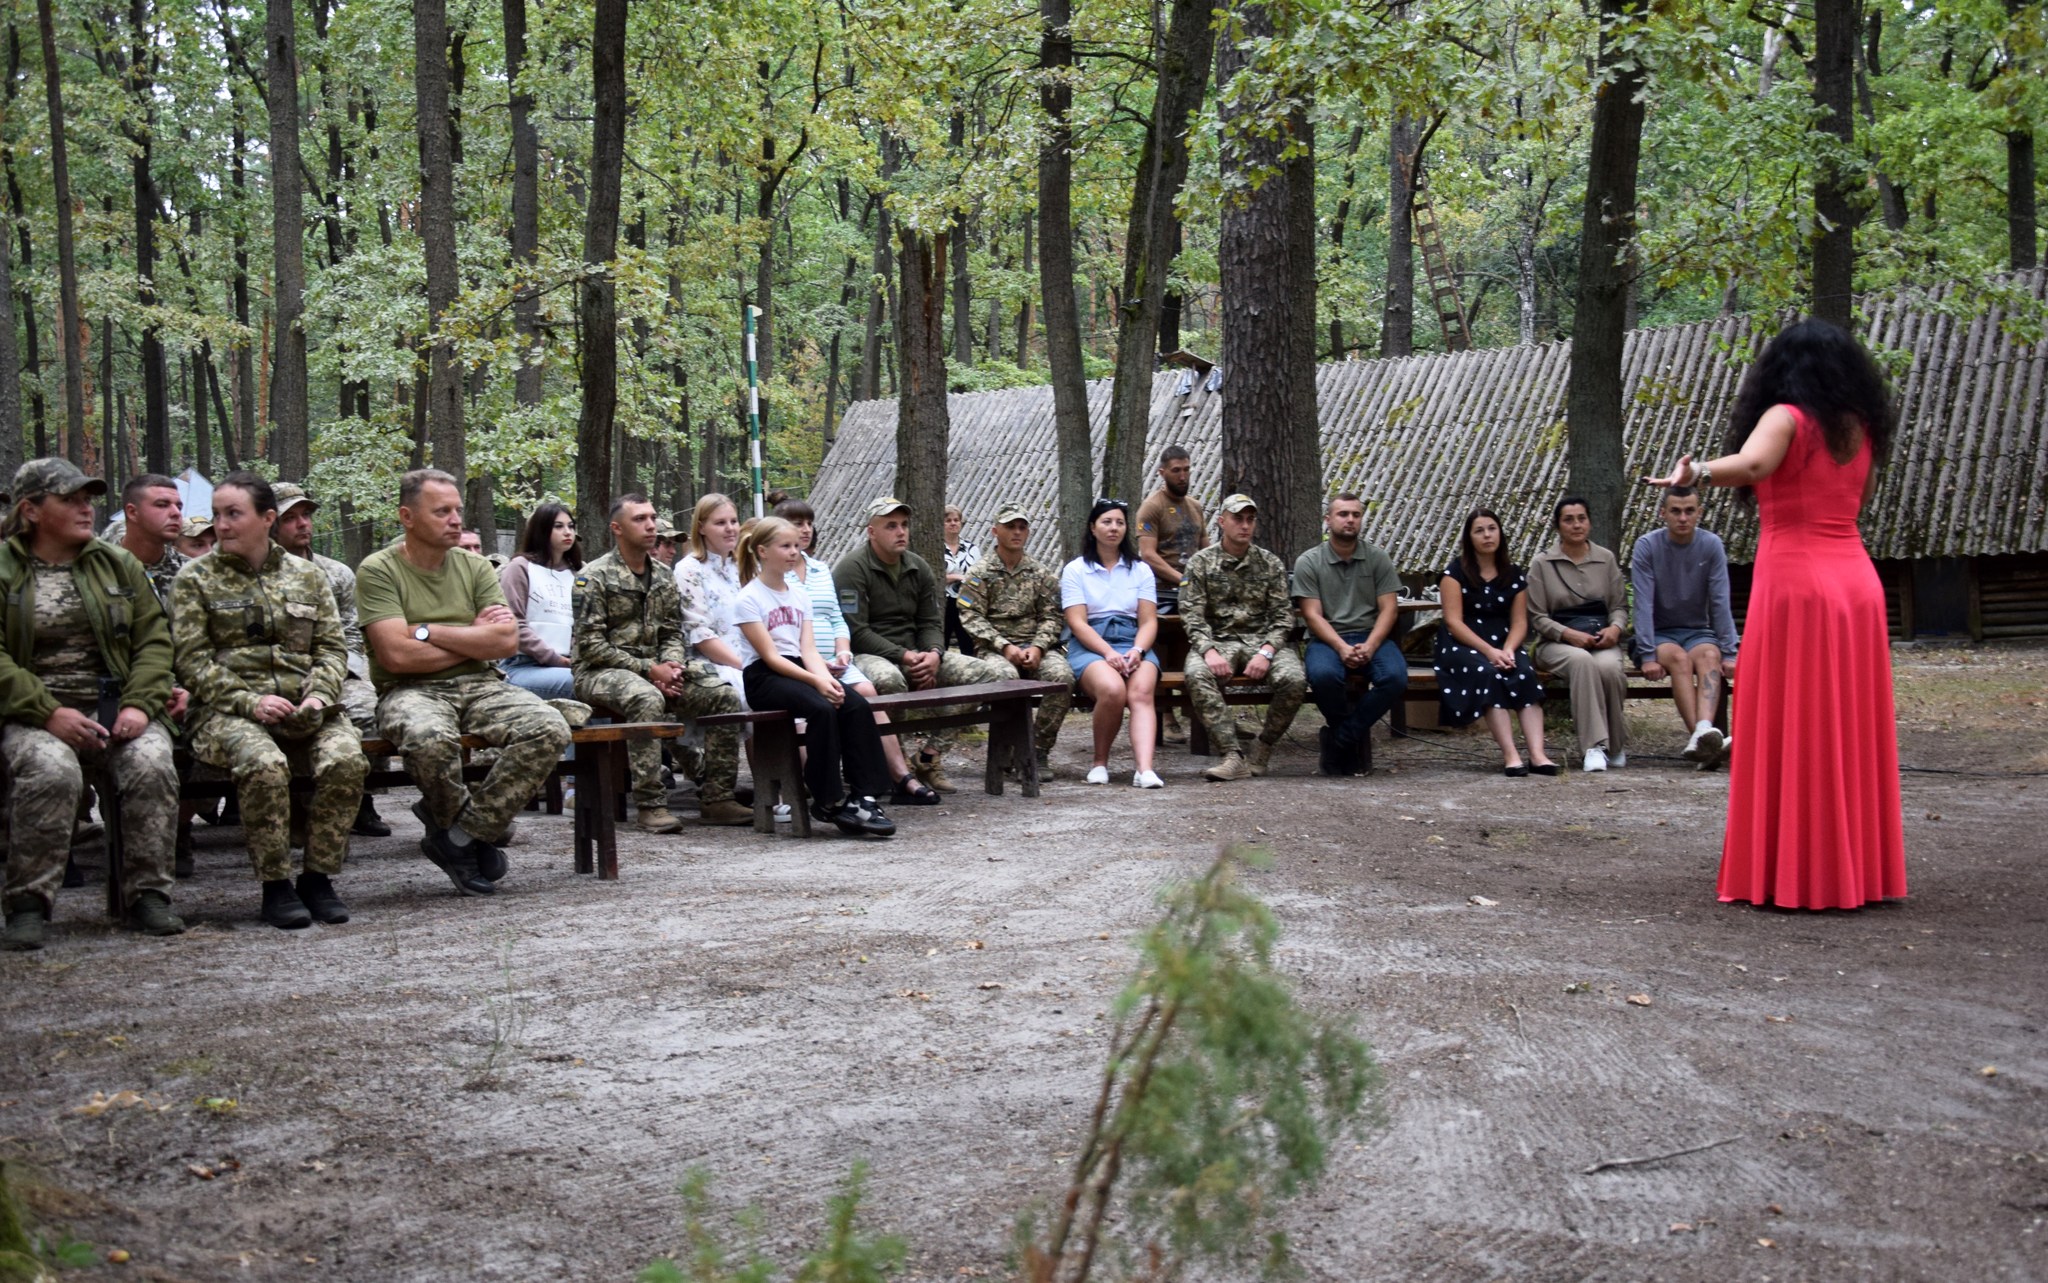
(666, 529)
(1009, 512)
(195, 527)
(60, 477)
(885, 505)
(290, 495)
(1238, 503)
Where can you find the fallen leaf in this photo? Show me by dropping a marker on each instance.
(989, 984)
(218, 1104)
(1680, 1227)
(976, 944)
(203, 1173)
(1778, 1020)
(1934, 815)
(1482, 901)
(1775, 1209)
(126, 1098)
(1766, 1242)
(931, 953)
(1579, 986)
(119, 1256)
(1639, 1000)
(1989, 1071)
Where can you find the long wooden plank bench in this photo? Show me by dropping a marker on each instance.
(1006, 708)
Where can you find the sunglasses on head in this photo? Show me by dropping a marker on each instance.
(1107, 504)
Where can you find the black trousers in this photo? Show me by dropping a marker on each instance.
(956, 632)
(842, 740)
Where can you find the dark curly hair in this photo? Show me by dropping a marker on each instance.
(1821, 368)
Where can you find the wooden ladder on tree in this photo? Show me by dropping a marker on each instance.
(1436, 261)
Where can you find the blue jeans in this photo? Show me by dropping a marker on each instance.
(548, 683)
(1386, 678)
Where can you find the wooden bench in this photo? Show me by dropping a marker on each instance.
(1006, 708)
(598, 767)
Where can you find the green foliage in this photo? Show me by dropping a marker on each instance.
(845, 1253)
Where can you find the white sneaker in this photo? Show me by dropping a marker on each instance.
(782, 813)
(1147, 780)
(1596, 759)
(1705, 744)
(1098, 775)
(1618, 761)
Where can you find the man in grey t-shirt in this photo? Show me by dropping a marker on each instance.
(1349, 597)
(1685, 626)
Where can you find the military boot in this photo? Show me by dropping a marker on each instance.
(150, 913)
(1259, 757)
(24, 924)
(1170, 729)
(930, 768)
(727, 812)
(181, 853)
(368, 823)
(1232, 767)
(656, 819)
(282, 907)
(1045, 771)
(316, 892)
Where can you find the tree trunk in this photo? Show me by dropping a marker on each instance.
(1338, 225)
(1026, 323)
(156, 418)
(1837, 176)
(71, 338)
(245, 353)
(1606, 234)
(1397, 317)
(1267, 256)
(2021, 219)
(290, 447)
(1056, 274)
(1891, 198)
(527, 380)
(922, 424)
(871, 334)
(11, 455)
(437, 234)
(18, 215)
(830, 429)
(1149, 242)
(599, 303)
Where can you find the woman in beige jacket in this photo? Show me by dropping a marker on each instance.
(1578, 612)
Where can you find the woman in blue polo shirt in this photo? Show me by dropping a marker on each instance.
(1112, 607)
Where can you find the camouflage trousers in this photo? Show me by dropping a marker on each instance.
(634, 699)
(262, 761)
(1052, 713)
(427, 720)
(955, 669)
(1287, 678)
(46, 777)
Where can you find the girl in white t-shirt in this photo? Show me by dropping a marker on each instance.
(781, 668)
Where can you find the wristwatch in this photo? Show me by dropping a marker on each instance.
(1267, 651)
(420, 633)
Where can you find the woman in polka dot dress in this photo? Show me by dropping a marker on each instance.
(1482, 671)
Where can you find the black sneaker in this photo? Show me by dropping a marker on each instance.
(368, 823)
(316, 892)
(282, 907)
(872, 820)
(458, 863)
(845, 815)
(491, 864)
(1334, 758)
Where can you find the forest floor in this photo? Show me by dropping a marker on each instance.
(512, 1089)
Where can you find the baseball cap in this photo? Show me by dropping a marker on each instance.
(195, 527)
(666, 529)
(1010, 512)
(290, 495)
(60, 477)
(885, 505)
(1238, 503)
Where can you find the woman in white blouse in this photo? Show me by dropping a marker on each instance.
(708, 579)
(540, 589)
(1111, 603)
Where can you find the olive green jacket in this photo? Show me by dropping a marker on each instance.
(127, 621)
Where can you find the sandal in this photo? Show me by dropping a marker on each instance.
(912, 791)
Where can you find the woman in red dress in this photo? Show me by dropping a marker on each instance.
(1813, 803)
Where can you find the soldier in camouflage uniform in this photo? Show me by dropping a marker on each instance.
(1010, 605)
(152, 514)
(295, 509)
(85, 673)
(629, 656)
(435, 621)
(1233, 596)
(259, 643)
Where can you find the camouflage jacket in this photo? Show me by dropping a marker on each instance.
(1018, 607)
(625, 622)
(341, 581)
(1235, 600)
(163, 571)
(244, 633)
(127, 622)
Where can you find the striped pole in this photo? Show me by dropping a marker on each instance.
(754, 412)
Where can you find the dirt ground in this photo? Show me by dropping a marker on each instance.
(511, 1089)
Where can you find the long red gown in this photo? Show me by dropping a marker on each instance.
(1814, 818)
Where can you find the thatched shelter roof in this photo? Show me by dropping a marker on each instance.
(1427, 438)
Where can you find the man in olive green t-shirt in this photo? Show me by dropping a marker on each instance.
(1349, 597)
(433, 619)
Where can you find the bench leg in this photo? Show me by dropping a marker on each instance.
(117, 861)
(554, 791)
(779, 774)
(587, 803)
(613, 768)
(1198, 734)
(1010, 745)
